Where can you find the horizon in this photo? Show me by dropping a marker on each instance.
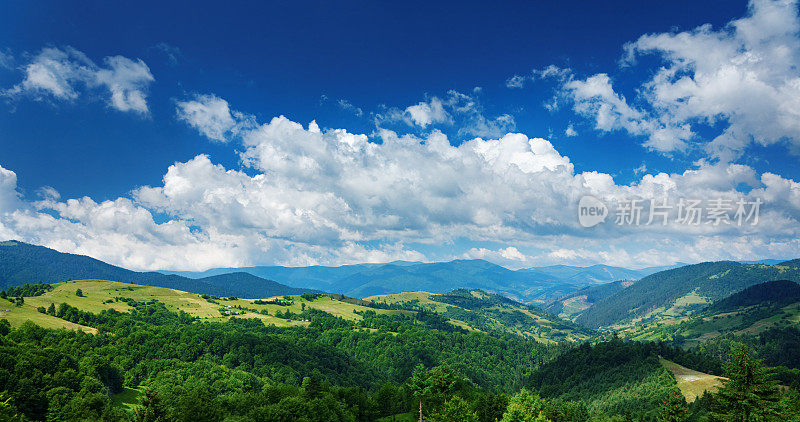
(199, 272)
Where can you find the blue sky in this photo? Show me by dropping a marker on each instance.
(461, 70)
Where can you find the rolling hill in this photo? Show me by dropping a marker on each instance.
(462, 309)
(22, 263)
(683, 291)
(774, 304)
(482, 311)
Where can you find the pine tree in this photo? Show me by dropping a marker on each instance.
(673, 409)
(749, 393)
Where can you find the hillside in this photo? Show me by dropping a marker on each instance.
(774, 304)
(572, 305)
(22, 263)
(778, 292)
(614, 377)
(487, 312)
(460, 310)
(682, 291)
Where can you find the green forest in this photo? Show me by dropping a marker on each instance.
(153, 364)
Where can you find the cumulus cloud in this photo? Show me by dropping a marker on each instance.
(63, 73)
(742, 78)
(313, 196)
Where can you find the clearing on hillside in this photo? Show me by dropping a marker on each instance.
(692, 383)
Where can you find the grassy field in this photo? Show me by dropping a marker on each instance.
(99, 295)
(16, 315)
(692, 383)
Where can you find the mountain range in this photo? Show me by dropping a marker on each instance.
(530, 285)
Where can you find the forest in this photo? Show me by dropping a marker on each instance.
(382, 366)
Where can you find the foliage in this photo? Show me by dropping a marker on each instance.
(27, 290)
(749, 393)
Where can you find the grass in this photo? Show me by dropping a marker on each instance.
(692, 383)
(539, 328)
(128, 399)
(402, 417)
(16, 315)
(99, 295)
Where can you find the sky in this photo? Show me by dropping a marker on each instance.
(188, 136)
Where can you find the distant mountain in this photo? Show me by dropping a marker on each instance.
(362, 280)
(763, 261)
(589, 275)
(22, 263)
(683, 291)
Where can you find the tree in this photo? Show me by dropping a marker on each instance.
(152, 409)
(455, 409)
(525, 406)
(673, 409)
(79, 293)
(749, 393)
(432, 388)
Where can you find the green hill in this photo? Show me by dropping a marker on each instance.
(458, 310)
(778, 292)
(683, 291)
(774, 304)
(615, 377)
(482, 311)
(572, 305)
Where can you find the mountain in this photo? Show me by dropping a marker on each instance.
(683, 291)
(589, 275)
(22, 263)
(531, 285)
(571, 305)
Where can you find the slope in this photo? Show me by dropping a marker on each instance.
(682, 291)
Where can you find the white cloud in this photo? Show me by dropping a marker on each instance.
(211, 116)
(570, 131)
(173, 53)
(312, 196)
(743, 77)
(463, 112)
(425, 113)
(62, 73)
